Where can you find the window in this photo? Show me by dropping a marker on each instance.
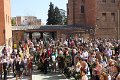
(113, 1)
(82, 9)
(6, 18)
(103, 0)
(83, 1)
(113, 16)
(104, 16)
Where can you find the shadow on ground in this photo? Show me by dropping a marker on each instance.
(48, 76)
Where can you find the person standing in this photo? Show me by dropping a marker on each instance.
(54, 56)
(60, 59)
(19, 68)
(5, 67)
(25, 63)
(68, 59)
(30, 66)
(1, 67)
(84, 75)
(97, 70)
(73, 54)
(44, 57)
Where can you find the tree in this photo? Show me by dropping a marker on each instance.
(13, 22)
(64, 17)
(64, 20)
(50, 20)
(58, 16)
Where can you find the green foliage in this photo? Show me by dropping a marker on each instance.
(65, 20)
(56, 16)
(50, 20)
(13, 22)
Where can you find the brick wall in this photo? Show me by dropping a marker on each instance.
(106, 26)
(90, 12)
(2, 22)
(5, 23)
(97, 14)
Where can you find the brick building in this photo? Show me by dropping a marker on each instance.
(27, 20)
(102, 15)
(5, 23)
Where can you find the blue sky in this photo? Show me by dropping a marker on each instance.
(38, 8)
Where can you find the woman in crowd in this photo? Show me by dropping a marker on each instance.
(44, 58)
(97, 70)
(1, 67)
(53, 57)
(60, 59)
(19, 67)
(5, 65)
(103, 76)
(29, 65)
(84, 75)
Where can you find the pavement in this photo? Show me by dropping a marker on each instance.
(37, 75)
(40, 76)
(48, 76)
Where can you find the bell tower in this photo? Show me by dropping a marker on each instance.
(5, 23)
(76, 12)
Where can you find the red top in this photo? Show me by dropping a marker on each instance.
(30, 64)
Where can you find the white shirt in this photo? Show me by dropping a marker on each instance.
(4, 61)
(85, 55)
(25, 61)
(78, 67)
(109, 52)
(65, 43)
(41, 42)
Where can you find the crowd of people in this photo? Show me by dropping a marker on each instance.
(93, 59)
(18, 63)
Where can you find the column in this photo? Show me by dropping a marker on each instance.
(30, 36)
(53, 35)
(41, 35)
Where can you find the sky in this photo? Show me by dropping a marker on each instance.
(38, 8)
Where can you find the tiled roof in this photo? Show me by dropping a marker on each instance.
(51, 27)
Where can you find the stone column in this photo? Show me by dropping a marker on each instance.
(53, 35)
(41, 35)
(30, 36)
